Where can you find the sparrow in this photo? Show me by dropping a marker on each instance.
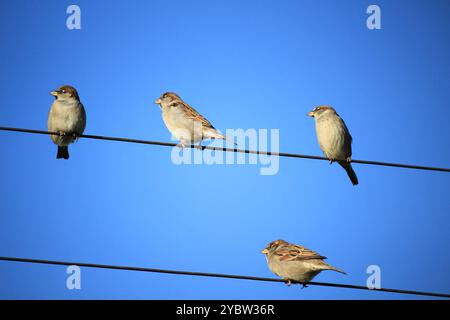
(334, 138)
(294, 262)
(184, 122)
(67, 117)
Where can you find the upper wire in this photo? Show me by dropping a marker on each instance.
(268, 153)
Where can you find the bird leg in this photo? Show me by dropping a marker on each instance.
(304, 285)
(288, 282)
(349, 159)
(75, 136)
(61, 133)
(331, 160)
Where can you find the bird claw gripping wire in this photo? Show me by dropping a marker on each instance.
(75, 136)
(288, 282)
(279, 154)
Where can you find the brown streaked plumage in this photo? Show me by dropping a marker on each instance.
(190, 112)
(294, 262)
(184, 122)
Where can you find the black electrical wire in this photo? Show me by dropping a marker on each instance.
(279, 154)
(217, 275)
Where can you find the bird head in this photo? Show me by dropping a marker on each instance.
(64, 93)
(274, 245)
(318, 111)
(167, 98)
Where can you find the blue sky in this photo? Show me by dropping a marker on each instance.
(243, 64)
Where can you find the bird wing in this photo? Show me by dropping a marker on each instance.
(297, 253)
(193, 114)
(350, 138)
(345, 128)
(82, 123)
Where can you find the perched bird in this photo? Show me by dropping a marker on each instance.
(295, 263)
(334, 138)
(66, 116)
(184, 122)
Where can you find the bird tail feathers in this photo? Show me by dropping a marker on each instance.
(336, 269)
(63, 152)
(350, 172)
(214, 134)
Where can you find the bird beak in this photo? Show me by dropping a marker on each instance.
(310, 114)
(158, 101)
(265, 251)
(54, 93)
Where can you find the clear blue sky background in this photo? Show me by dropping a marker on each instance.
(243, 64)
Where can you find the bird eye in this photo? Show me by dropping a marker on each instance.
(63, 91)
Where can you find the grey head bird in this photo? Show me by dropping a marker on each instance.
(68, 117)
(334, 138)
(184, 122)
(294, 262)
